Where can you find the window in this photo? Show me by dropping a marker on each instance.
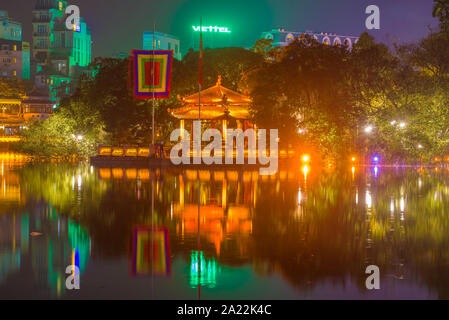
(337, 41)
(15, 48)
(15, 60)
(41, 28)
(14, 73)
(159, 44)
(42, 44)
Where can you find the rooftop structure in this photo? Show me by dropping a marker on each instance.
(164, 41)
(282, 37)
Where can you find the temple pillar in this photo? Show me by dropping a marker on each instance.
(182, 128)
(239, 124)
(191, 138)
(224, 129)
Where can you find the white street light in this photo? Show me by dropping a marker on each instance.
(393, 122)
(368, 129)
(419, 146)
(79, 137)
(402, 125)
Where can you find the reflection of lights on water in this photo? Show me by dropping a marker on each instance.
(402, 204)
(79, 181)
(305, 170)
(376, 170)
(368, 199)
(353, 172)
(357, 197)
(202, 271)
(75, 260)
(299, 196)
(73, 182)
(91, 169)
(392, 206)
(419, 183)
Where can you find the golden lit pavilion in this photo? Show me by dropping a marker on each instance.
(220, 107)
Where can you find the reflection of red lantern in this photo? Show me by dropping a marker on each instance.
(151, 251)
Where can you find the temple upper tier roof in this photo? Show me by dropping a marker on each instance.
(216, 102)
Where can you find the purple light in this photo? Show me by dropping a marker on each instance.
(376, 159)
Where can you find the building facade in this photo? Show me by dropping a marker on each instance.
(14, 54)
(282, 37)
(9, 29)
(59, 53)
(163, 42)
(15, 112)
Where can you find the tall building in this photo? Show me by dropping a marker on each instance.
(282, 37)
(9, 29)
(14, 54)
(163, 42)
(59, 53)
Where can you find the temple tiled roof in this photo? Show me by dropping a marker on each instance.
(217, 102)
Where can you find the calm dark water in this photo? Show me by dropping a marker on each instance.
(137, 233)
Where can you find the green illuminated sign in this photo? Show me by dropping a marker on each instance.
(211, 29)
(203, 271)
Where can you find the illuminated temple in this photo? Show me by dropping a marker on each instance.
(220, 108)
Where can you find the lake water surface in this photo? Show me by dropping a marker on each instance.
(138, 233)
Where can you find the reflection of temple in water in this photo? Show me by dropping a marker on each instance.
(11, 194)
(225, 208)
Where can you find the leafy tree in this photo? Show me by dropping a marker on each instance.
(441, 11)
(306, 88)
(230, 63)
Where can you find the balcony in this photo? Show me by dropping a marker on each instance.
(41, 19)
(41, 34)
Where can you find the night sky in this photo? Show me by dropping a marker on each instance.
(117, 25)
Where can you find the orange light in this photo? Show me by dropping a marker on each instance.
(305, 170)
(305, 158)
(353, 159)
